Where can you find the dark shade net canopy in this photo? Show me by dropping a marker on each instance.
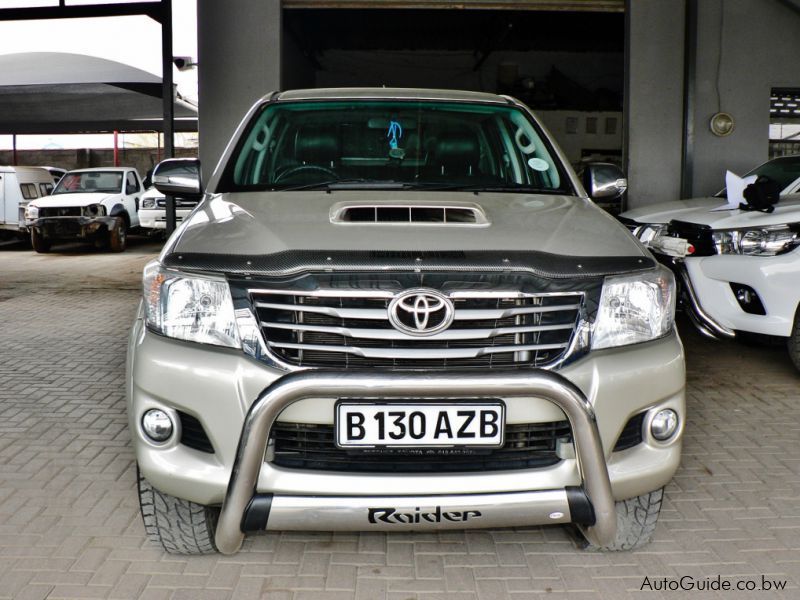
(53, 92)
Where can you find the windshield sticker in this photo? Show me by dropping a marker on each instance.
(394, 134)
(537, 164)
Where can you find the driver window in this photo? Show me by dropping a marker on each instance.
(131, 186)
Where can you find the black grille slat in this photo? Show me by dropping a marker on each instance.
(193, 435)
(631, 434)
(62, 211)
(311, 447)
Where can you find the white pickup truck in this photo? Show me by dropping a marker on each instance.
(738, 267)
(98, 205)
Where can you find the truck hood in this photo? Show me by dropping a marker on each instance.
(787, 210)
(664, 212)
(270, 222)
(77, 199)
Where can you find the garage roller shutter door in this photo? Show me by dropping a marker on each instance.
(570, 5)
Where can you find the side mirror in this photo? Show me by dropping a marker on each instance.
(604, 181)
(178, 177)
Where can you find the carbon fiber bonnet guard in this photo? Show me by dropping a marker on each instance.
(294, 262)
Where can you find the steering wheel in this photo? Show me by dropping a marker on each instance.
(300, 168)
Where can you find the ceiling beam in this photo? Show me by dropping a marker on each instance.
(150, 8)
(547, 5)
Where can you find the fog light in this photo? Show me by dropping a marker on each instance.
(664, 424)
(157, 425)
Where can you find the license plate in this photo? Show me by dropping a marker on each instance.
(419, 425)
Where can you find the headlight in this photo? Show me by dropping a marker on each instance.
(765, 241)
(149, 203)
(187, 307)
(94, 210)
(635, 308)
(31, 213)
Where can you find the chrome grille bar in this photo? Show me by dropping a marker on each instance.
(380, 313)
(343, 327)
(393, 334)
(417, 353)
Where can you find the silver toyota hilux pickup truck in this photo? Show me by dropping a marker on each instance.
(399, 310)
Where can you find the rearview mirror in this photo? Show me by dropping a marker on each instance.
(178, 177)
(604, 181)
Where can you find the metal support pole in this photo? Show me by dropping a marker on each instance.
(14, 149)
(116, 148)
(689, 100)
(169, 102)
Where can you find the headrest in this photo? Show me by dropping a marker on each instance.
(316, 146)
(457, 150)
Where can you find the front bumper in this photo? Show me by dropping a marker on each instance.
(713, 306)
(592, 502)
(157, 219)
(67, 228)
(219, 387)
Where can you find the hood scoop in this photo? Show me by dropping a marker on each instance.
(454, 215)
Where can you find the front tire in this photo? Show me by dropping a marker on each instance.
(793, 343)
(39, 242)
(118, 236)
(178, 526)
(636, 521)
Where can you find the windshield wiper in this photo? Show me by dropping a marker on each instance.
(354, 183)
(460, 187)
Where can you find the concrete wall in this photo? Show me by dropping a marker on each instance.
(581, 140)
(239, 49)
(654, 100)
(743, 49)
(760, 50)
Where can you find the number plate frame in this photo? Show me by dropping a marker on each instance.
(409, 406)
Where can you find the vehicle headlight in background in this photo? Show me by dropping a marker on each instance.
(635, 308)
(31, 213)
(764, 241)
(94, 210)
(149, 203)
(188, 307)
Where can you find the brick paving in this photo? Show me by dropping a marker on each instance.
(70, 526)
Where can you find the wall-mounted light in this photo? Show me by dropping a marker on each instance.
(721, 124)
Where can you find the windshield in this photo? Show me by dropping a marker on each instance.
(783, 171)
(94, 181)
(385, 144)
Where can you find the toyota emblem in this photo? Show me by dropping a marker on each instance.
(421, 311)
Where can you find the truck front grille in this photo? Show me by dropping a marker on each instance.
(493, 329)
(312, 447)
(62, 211)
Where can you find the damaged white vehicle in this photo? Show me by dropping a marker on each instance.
(98, 205)
(738, 266)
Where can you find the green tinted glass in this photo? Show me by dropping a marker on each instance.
(301, 144)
